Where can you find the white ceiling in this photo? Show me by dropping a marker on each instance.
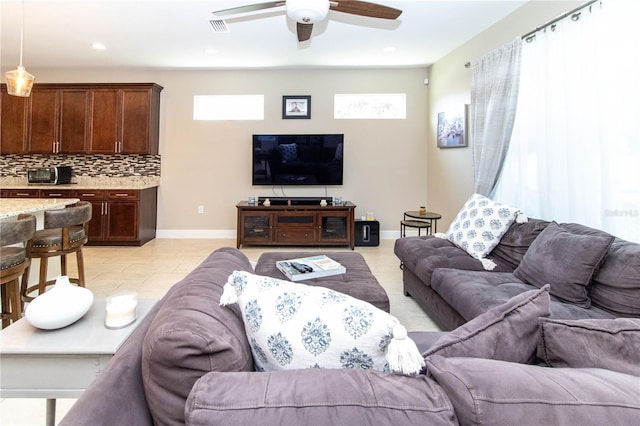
(174, 34)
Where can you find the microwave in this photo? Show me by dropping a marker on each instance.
(50, 175)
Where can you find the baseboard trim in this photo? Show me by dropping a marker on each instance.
(225, 234)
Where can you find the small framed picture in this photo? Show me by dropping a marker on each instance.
(452, 128)
(296, 107)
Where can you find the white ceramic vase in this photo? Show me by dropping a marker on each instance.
(60, 306)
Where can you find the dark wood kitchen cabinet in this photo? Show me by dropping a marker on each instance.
(59, 121)
(121, 217)
(96, 118)
(13, 123)
(126, 120)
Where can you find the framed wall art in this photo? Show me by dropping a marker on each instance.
(296, 107)
(452, 127)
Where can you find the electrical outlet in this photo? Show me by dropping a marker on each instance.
(201, 209)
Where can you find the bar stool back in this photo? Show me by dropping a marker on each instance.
(65, 231)
(13, 263)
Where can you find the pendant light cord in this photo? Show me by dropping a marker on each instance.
(22, 34)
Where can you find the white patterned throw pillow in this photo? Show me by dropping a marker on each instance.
(292, 326)
(479, 226)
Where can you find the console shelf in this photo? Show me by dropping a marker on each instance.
(295, 225)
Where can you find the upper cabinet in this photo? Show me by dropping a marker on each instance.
(82, 118)
(126, 120)
(13, 126)
(59, 121)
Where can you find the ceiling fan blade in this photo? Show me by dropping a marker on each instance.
(363, 8)
(304, 31)
(248, 8)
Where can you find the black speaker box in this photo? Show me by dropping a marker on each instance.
(367, 233)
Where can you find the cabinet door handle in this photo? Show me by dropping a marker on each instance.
(55, 194)
(88, 194)
(22, 194)
(121, 195)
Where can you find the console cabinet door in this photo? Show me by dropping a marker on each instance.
(257, 227)
(334, 227)
(13, 123)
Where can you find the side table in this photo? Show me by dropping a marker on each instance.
(414, 219)
(60, 363)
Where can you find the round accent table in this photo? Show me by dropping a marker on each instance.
(413, 219)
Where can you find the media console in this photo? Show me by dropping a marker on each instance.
(294, 221)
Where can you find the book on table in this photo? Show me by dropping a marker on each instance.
(305, 268)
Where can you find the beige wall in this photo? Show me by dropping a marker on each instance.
(209, 163)
(390, 165)
(450, 171)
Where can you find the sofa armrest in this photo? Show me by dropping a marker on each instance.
(116, 396)
(317, 396)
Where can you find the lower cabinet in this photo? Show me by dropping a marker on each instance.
(119, 217)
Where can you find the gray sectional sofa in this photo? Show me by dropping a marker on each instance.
(593, 275)
(189, 362)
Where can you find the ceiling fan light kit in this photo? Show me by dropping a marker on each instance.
(19, 81)
(307, 11)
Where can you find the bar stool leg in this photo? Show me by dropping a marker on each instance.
(42, 284)
(80, 261)
(63, 264)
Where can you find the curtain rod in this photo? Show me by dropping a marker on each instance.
(551, 22)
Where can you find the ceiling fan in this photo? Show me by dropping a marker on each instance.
(308, 12)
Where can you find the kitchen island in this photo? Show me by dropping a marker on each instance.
(11, 207)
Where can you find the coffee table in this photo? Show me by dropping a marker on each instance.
(60, 363)
(357, 282)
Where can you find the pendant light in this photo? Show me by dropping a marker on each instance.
(19, 81)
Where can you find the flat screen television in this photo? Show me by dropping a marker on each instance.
(297, 159)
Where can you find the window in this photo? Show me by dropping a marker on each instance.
(228, 107)
(377, 106)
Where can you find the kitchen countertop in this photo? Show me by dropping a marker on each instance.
(10, 207)
(81, 182)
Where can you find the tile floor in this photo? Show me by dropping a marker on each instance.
(153, 268)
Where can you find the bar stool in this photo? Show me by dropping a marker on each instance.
(13, 263)
(65, 231)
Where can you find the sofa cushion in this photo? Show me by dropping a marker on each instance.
(565, 260)
(292, 325)
(616, 285)
(507, 332)
(317, 397)
(612, 344)
(490, 392)
(472, 293)
(191, 335)
(516, 241)
(480, 224)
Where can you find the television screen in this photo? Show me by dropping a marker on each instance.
(297, 159)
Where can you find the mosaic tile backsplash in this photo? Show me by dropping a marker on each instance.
(116, 165)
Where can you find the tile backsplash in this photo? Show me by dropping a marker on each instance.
(116, 165)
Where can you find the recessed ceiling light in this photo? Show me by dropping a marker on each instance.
(390, 49)
(210, 51)
(98, 46)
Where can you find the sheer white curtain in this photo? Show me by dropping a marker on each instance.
(575, 151)
(494, 95)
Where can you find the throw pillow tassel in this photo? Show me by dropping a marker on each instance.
(522, 218)
(403, 355)
(488, 264)
(229, 295)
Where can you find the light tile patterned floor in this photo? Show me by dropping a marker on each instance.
(153, 268)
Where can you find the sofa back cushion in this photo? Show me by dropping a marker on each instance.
(516, 241)
(566, 260)
(192, 335)
(616, 286)
(318, 396)
(490, 392)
